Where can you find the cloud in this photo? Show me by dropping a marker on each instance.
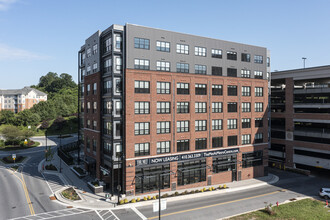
(5, 4)
(11, 53)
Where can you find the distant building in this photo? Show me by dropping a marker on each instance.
(17, 100)
(300, 118)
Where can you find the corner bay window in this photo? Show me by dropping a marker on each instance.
(224, 163)
(190, 172)
(252, 159)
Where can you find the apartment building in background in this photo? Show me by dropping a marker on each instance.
(300, 118)
(160, 105)
(17, 100)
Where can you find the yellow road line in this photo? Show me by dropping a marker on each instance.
(208, 206)
(27, 193)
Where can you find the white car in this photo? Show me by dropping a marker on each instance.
(325, 193)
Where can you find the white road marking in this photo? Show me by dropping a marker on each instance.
(139, 213)
(56, 214)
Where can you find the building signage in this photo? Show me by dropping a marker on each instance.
(181, 157)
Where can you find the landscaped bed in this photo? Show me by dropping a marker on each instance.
(30, 144)
(70, 194)
(9, 159)
(51, 167)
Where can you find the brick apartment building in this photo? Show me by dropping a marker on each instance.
(190, 110)
(17, 100)
(300, 118)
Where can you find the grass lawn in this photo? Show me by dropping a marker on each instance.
(306, 209)
(71, 194)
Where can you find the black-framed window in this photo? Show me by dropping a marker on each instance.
(107, 148)
(216, 89)
(252, 159)
(232, 72)
(245, 73)
(190, 172)
(118, 42)
(246, 122)
(258, 122)
(182, 88)
(94, 145)
(94, 88)
(163, 66)
(163, 147)
(232, 90)
(217, 142)
(182, 126)
(163, 46)
(182, 107)
(200, 107)
(259, 91)
(200, 89)
(107, 64)
(142, 86)
(216, 53)
(163, 107)
(231, 55)
(258, 59)
(246, 90)
(94, 125)
(142, 149)
(246, 106)
(246, 139)
(200, 125)
(258, 138)
(246, 57)
(216, 107)
(141, 64)
(142, 107)
(182, 145)
(200, 51)
(141, 43)
(232, 140)
(163, 88)
(182, 67)
(259, 106)
(88, 107)
(107, 44)
(200, 69)
(232, 123)
(163, 127)
(182, 48)
(141, 128)
(232, 106)
(200, 143)
(224, 163)
(216, 124)
(216, 71)
(94, 107)
(107, 127)
(107, 86)
(258, 74)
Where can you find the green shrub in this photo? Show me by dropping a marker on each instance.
(149, 197)
(196, 191)
(210, 188)
(125, 201)
(176, 194)
(133, 201)
(165, 195)
(138, 199)
(224, 186)
(220, 187)
(157, 196)
(121, 202)
(192, 192)
(145, 198)
(154, 197)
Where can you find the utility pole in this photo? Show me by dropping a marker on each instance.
(304, 60)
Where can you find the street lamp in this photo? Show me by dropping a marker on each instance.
(304, 60)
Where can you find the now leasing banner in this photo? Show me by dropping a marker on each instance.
(181, 157)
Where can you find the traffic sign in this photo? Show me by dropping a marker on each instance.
(13, 156)
(163, 205)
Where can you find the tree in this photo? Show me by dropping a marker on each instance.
(59, 123)
(12, 134)
(27, 134)
(46, 81)
(27, 117)
(44, 125)
(7, 117)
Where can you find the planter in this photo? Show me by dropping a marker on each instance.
(95, 189)
(80, 175)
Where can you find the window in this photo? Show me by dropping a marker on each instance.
(88, 89)
(95, 49)
(200, 69)
(200, 125)
(246, 139)
(141, 64)
(94, 125)
(216, 107)
(182, 145)
(162, 46)
(258, 138)
(163, 147)
(216, 89)
(142, 87)
(182, 67)
(163, 107)
(94, 88)
(232, 106)
(94, 145)
(89, 52)
(246, 122)
(231, 55)
(232, 90)
(232, 123)
(163, 66)
(118, 86)
(216, 71)
(200, 143)
(182, 88)
(191, 172)
(107, 128)
(107, 86)
(231, 72)
(232, 140)
(258, 74)
(118, 42)
(182, 107)
(88, 106)
(142, 149)
(88, 123)
(107, 45)
(119, 108)
(200, 51)
(252, 159)
(216, 53)
(107, 148)
(224, 163)
(200, 89)
(163, 127)
(246, 91)
(246, 57)
(259, 91)
(89, 69)
(107, 107)
(245, 73)
(216, 124)
(246, 107)
(258, 123)
(258, 106)
(217, 142)
(258, 59)
(182, 126)
(182, 48)
(163, 87)
(268, 61)
(200, 107)
(94, 67)
(142, 107)
(142, 128)
(107, 65)
(141, 43)
(94, 107)
(118, 63)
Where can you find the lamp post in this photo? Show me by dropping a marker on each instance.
(304, 60)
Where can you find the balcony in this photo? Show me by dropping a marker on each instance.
(312, 132)
(321, 88)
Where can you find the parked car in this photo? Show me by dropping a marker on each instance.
(325, 193)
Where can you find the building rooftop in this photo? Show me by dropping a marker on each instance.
(23, 91)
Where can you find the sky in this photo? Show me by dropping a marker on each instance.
(41, 36)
